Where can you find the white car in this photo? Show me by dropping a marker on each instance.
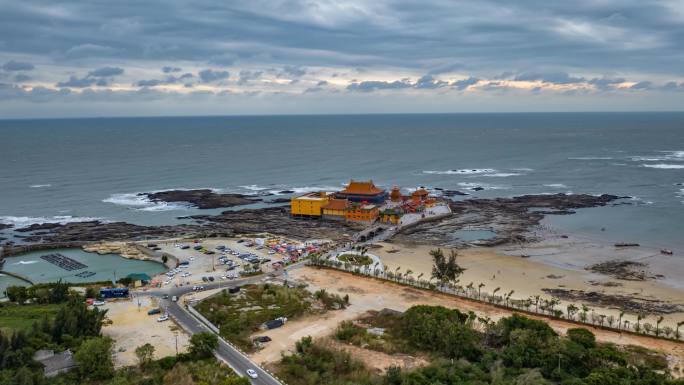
(98, 303)
(251, 373)
(192, 258)
(163, 318)
(186, 274)
(167, 282)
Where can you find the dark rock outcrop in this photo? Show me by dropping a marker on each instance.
(509, 218)
(4, 226)
(202, 199)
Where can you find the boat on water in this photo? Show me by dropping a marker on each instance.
(666, 251)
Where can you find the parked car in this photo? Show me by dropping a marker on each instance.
(154, 311)
(98, 303)
(163, 318)
(165, 296)
(211, 279)
(184, 247)
(174, 299)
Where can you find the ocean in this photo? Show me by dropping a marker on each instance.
(81, 169)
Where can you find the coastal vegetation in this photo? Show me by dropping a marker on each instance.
(466, 349)
(445, 278)
(240, 314)
(355, 259)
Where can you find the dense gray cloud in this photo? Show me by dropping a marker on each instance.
(552, 77)
(422, 47)
(105, 72)
(17, 66)
(465, 83)
(210, 75)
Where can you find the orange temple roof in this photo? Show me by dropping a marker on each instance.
(336, 204)
(362, 188)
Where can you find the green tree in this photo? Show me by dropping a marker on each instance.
(203, 344)
(145, 354)
(16, 294)
(94, 357)
(165, 258)
(445, 270)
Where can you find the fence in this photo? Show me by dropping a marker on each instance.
(547, 306)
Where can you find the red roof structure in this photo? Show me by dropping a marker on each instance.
(362, 188)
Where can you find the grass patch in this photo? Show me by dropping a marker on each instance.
(15, 317)
(355, 259)
(390, 342)
(239, 315)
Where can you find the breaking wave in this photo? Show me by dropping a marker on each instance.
(556, 185)
(502, 174)
(40, 185)
(664, 166)
(25, 262)
(143, 203)
(485, 186)
(464, 171)
(590, 158)
(21, 222)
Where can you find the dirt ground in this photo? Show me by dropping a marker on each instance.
(369, 294)
(132, 327)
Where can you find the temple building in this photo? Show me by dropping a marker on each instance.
(357, 191)
(309, 205)
(361, 212)
(335, 209)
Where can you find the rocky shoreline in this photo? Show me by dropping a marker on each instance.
(630, 303)
(510, 218)
(201, 198)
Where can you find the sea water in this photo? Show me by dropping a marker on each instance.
(82, 169)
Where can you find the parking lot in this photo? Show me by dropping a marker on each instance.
(212, 260)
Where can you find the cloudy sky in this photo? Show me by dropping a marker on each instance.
(133, 58)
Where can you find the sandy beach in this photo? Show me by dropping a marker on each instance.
(528, 277)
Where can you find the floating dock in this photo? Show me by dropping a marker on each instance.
(63, 261)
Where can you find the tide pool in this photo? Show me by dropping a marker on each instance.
(106, 267)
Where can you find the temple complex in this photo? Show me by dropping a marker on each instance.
(357, 191)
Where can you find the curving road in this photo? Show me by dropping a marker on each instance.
(225, 352)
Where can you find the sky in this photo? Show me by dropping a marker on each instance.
(218, 57)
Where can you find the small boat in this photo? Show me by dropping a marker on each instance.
(666, 251)
(625, 244)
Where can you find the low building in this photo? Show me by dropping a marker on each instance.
(391, 216)
(335, 209)
(361, 212)
(309, 205)
(55, 363)
(360, 192)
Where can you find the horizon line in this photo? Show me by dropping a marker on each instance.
(341, 114)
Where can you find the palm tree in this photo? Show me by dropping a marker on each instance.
(536, 303)
(479, 289)
(626, 324)
(679, 324)
(571, 309)
(494, 293)
(611, 320)
(619, 324)
(658, 321)
(508, 296)
(583, 314)
(637, 327)
(648, 327)
(470, 286)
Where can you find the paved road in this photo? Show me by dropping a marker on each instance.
(236, 360)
